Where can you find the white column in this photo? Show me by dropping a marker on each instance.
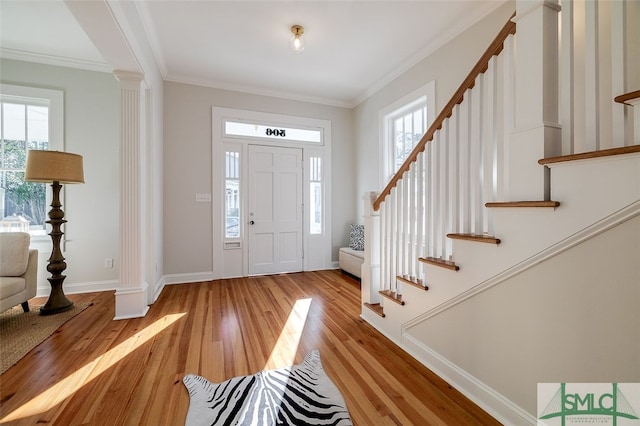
(131, 295)
(370, 271)
(537, 131)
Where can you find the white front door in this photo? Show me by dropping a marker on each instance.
(274, 210)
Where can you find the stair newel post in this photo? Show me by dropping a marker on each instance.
(537, 132)
(370, 283)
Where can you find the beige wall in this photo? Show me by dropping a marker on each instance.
(187, 168)
(91, 130)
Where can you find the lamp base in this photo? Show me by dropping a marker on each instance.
(57, 301)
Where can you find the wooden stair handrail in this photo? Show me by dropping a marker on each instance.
(480, 67)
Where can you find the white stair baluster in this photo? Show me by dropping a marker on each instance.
(475, 156)
(420, 216)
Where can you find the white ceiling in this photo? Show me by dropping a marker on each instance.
(352, 49)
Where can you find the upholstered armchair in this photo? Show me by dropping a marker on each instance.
(18, 270)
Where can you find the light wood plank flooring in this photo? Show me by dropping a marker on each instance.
(96, 371)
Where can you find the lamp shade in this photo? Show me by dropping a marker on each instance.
(54, 166)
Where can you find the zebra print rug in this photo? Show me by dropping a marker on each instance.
(298, 395)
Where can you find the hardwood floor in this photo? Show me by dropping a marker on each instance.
(95, 370)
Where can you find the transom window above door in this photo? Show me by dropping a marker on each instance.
(261, 131)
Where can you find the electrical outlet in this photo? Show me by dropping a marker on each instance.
(108, 262)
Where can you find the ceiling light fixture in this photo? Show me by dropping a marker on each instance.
(296, 43)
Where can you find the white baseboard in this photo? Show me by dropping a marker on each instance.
(485, 397)
(158, 287)
(502, 409)
(77, 288)
(193, 277)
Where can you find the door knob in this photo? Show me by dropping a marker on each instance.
(251, 222)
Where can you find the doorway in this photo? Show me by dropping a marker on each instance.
(271, 193)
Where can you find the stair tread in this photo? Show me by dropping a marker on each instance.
(591, 154)
(523, 204)
(392, 295)
(375, 307)
(440, 262)
(475, 237)
(412, 282)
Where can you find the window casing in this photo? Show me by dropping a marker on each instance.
(271, 132)
(30, 118)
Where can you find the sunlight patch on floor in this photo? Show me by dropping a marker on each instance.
(57, 393)
(284, 351)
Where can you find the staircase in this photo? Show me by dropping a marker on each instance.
(441, 240)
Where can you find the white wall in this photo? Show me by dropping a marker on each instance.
(91, 130)
(187, 168)
(573, 318)
(447, 66)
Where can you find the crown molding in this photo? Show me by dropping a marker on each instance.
(60, 61)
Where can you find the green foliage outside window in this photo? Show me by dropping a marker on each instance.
(27, 199)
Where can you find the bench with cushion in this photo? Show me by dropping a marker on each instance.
(350, 259)
(18, 270)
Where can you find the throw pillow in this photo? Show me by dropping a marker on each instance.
(356, 237)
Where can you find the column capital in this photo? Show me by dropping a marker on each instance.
(128, 79)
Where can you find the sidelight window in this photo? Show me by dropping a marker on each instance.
(315, 194)
(232, 194)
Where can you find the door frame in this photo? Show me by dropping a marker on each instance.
(230, 256)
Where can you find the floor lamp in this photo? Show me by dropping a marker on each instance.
(55, 167)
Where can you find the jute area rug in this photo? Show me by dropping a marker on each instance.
(298, 395)
(21, 331)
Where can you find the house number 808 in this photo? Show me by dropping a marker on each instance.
(276, 132)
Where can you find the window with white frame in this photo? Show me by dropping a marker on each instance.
(30, 118)
(403, 125)
(261, 131)
(315, 195)
(232, 194)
